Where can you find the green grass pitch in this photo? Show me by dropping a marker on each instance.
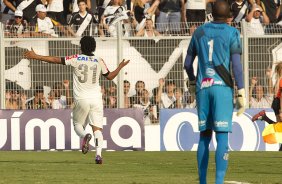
(134, 167)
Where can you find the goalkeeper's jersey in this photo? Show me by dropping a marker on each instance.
(213, 43)
(86, 74)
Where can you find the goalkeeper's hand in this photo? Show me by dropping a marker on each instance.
(241, 101)
(192, 87)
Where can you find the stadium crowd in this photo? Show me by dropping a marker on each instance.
(166, 95)
(54, 18)
(58, 18)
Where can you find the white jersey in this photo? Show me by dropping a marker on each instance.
(56, 6)
(167, 101)
(113, 14)
(255, 27)
(265, 102)
(196, 4)
(60, 103)
(86, 74)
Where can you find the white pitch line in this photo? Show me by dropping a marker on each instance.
(236, 182)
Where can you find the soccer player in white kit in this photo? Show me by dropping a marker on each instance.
(88, 104)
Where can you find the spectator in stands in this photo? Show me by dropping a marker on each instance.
(166, 98)
(82, 21)
(171, 14)
(256, 19)
(67, 8)
(55, 10)
(258, 97)
(26, 6)
(111, 100)
(195, 13)
(56, 98)
(139, 86)
(111, 16)
(209, 16)
(148, 30)
(178, 103)
(75, 7)
(112, 88)
(143, 11)
(272, 9)
(111, 96)
(145, 105)
(17, 27)
(38, 101)
(239, 9)
(189, 99)
(5, 9)
(101, 6)
(155, 106)
(15, 99)
(44, 26)
(126, 88)
(103, 91)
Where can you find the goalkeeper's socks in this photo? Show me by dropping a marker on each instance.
(98, 138)
(203, 158)
(79, 130)
(221, 156)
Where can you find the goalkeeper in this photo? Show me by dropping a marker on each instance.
(215, 44)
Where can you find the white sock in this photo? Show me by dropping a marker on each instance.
(79, 130)
(98, 139)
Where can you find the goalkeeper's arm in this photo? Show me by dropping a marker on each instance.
(188, 65)
(238, 75)
(237, 70)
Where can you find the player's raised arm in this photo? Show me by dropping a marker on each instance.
(113, 74)
(50, 59)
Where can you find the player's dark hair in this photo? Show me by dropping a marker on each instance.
(220, 10)
(88, 45)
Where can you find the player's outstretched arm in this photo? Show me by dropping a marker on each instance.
(50, 59)
(114, 73)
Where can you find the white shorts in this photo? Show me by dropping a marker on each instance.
(88, 111)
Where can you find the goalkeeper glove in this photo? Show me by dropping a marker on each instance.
(192, 87)
(241, 101)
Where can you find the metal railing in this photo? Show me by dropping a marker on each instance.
(152, 58)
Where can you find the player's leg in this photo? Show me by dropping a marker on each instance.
(80, 113)
(222, 114)
(98, 139)
(203, 155)
(205, 135)
(221, 156)
(96, 122)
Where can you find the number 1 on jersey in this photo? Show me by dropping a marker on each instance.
(210, 43)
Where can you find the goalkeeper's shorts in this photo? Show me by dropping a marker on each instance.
(215, 108)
